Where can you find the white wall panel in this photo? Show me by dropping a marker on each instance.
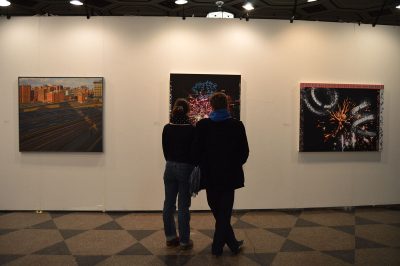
(135, 56)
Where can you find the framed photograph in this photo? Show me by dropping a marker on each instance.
(61, 114)
(340, 117)
(197, 89)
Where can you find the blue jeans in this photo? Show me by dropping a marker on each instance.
(176, 183)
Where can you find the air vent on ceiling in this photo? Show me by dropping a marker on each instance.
(168, 4)
(376, 13)
(27, 3)
(97, 3)
(314, 9)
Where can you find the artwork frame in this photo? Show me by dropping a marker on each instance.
(197, 88)
(341, 117)
(60, 114)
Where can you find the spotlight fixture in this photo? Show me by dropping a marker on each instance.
(220, 13)
(181, 2)
(248, 6)
(4, 3)
(76, 2)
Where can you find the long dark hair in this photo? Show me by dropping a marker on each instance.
(181, 107)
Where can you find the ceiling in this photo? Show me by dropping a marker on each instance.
(379, 12)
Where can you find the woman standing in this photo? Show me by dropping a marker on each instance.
(177, 138)
(221, 149)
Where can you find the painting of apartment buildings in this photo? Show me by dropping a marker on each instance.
(61, 114)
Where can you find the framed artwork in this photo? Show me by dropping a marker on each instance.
(60, 114)
(340, 117)
(197, 89)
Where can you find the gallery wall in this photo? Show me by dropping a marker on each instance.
(135, 55)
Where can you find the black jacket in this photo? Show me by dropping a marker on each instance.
(221, 149)
(177, 143)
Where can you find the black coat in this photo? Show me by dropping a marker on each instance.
(177, 140)
(221, 149)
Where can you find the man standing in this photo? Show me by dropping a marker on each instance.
(221, 149)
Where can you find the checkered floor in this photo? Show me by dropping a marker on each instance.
(363, 236)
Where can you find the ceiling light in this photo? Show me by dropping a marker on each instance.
(398, 6)
(309, 1)
(4, 3)
(248, 6)
(76, 2)
(220, 13)
(181, 2)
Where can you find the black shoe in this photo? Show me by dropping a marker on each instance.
(217, 254)
(238, 247)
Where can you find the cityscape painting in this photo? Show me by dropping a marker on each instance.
(340, 117)
(197, 89)
(61, 114)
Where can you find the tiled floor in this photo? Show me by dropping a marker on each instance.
(363, 236)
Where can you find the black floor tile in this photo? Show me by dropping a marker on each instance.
(242, 225)
(141, 234)
(207, 232)
(59, 248)
(304, 223)
(280, 231)
(347, 229)
(291, 246)
(364, 243)
(89, 260)
(175, 260)
(345, 255)
(109, 226)
(8, 258)
(363, 221)
(68, 233)
(6, 231)
(136, 249)
(262, 258)
(56, 214)
(45, 225)
(116, 215)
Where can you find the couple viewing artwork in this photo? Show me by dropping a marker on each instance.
(218, 145)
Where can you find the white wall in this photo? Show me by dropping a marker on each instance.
(135, 55)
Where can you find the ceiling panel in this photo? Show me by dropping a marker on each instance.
(364, 11)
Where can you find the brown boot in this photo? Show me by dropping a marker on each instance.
(187, 246)
(173, 243)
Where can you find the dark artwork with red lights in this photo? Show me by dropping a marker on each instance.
(340, 117)
(61, 114)
(197, 89)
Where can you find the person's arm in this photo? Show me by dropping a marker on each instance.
(164, 142)
(197, 145)
(243, 144)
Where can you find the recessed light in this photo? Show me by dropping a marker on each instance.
(76, 2)
(4, 3)
(181, 2)
(248, 6)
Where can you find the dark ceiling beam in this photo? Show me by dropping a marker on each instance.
(294, 11)
(380, 12)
